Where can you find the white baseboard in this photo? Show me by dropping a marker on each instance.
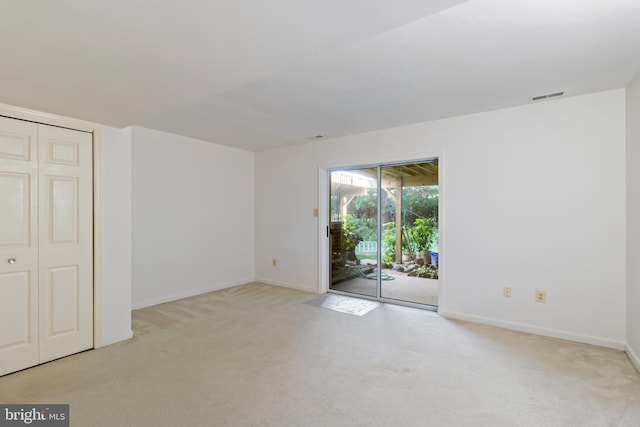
(187, 294)
(554, 333)
(288, 285)
(112, 339)
(633, 356)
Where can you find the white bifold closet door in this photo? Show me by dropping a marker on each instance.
(46, 243)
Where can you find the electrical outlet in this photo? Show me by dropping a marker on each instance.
(506, 291)
(274, 262)
(541, 296)
(315, 212)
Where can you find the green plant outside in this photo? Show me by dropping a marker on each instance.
(389, 242)
(408, 244)
(348, 228)
(427, 271)
(422, 233)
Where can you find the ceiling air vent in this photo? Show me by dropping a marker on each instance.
(546, 96)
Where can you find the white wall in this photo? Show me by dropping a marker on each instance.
(633, 221)
(533, 198)
(193, 216)
(116, 226)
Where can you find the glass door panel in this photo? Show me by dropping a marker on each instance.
(353, 231)
(409, 227)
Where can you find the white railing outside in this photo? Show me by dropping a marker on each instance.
(367, 246)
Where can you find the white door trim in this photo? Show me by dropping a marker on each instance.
(96, 130)
(323, 238)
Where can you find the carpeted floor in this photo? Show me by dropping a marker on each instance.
(256, 355)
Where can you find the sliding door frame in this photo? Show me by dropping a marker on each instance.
(324, 181)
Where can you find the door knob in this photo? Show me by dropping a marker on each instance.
(11, 260)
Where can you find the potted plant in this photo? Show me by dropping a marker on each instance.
(422, 234)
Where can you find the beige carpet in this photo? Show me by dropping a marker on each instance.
(257, 355)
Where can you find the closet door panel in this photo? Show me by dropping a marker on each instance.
(66, 242)
(18, 245)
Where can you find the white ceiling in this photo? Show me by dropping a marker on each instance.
(258, 74)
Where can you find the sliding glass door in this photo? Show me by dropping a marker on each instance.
(353, 231)
(410, 231)
(384, 232)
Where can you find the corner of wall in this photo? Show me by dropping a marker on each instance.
(632, 155)
(197, 234)
(633, 356)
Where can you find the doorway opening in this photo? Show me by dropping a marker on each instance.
(384, 233)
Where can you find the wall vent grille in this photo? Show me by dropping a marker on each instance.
(547, 96)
